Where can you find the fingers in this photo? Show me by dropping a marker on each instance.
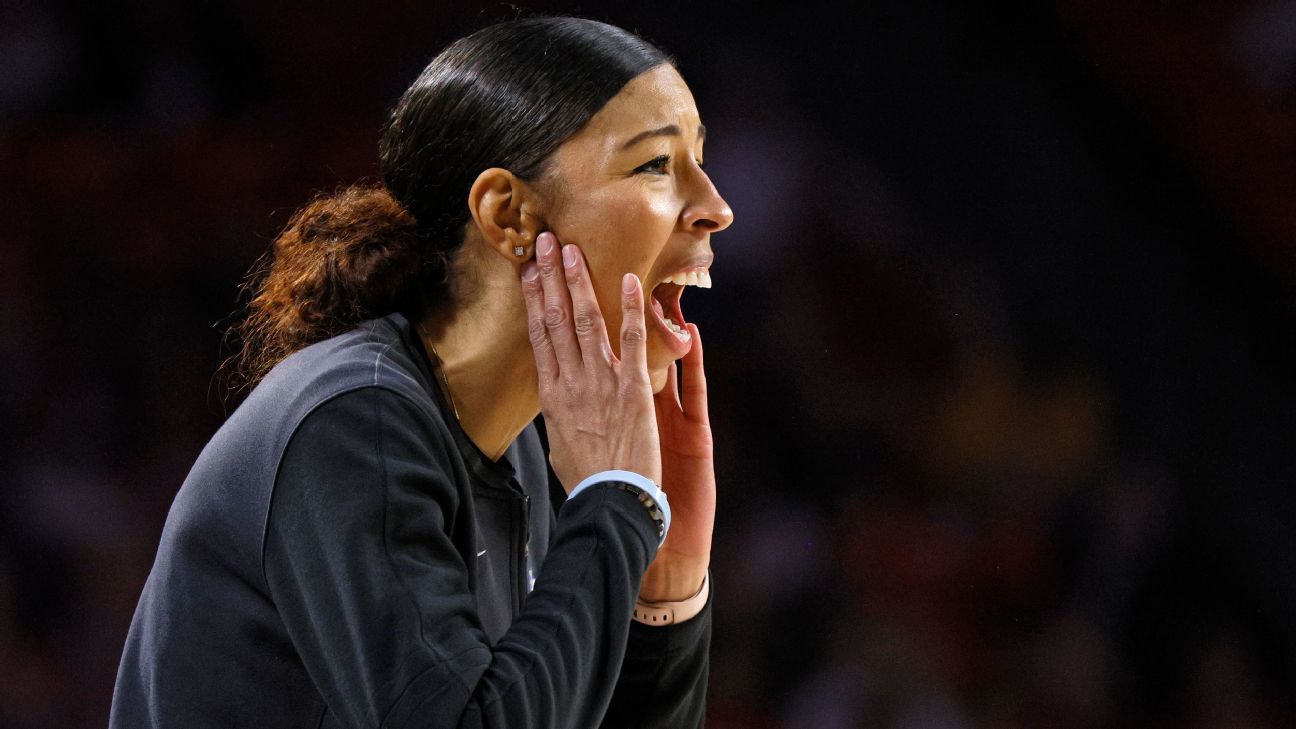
(694, 380)
(670, 391)
(541, 347)
(634, 332)
(557, 303)
(587, 319)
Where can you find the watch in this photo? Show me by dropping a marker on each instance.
(651, 505)
(649, 494)
(669, 613)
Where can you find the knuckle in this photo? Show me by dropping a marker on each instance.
(538, 332)
(633, 334)
(583, 320)
(555, 316)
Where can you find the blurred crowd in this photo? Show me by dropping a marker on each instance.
(1000, 344)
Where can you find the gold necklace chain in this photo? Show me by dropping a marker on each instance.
(440, 368)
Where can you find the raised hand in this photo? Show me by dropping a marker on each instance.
(598, 409)
(688, 477)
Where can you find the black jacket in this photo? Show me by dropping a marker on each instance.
(341, 554)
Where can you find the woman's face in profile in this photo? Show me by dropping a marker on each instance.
(630, 191)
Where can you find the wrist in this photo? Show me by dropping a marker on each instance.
(671, 579)
(678, 611)
(645, 489)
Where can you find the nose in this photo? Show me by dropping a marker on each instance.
(708, 211)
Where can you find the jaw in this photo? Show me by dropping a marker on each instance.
(658, 378)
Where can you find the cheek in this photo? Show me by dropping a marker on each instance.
(618, 234)
(622, 234)
(621, 227)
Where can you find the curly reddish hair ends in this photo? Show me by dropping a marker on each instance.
(343, 258)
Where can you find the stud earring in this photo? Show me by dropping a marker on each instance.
(519, 250)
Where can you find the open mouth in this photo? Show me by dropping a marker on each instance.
(667, 312)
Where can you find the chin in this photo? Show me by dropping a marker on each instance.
(658, 377)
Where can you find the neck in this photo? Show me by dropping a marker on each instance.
(486, 360)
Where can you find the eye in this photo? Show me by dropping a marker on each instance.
(656, 165)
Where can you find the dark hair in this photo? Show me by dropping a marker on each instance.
(505, 96)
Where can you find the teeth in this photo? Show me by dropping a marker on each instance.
(679, 331)
(701, 279)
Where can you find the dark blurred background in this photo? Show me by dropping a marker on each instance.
(1000, 345)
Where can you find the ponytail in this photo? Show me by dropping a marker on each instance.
(353, 255)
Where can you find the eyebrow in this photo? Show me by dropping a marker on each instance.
(670, 130)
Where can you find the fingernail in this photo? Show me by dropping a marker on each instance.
(628, 283)
(569, 256)
(529, 271)
(545, 244)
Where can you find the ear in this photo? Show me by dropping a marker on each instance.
(503, 206)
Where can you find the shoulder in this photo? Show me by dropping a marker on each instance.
(376, 416)
(330, 401)
(376, 353)
(369, 434)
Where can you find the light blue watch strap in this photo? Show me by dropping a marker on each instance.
(639, 481)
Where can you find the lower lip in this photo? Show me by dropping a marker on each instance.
(677, 347)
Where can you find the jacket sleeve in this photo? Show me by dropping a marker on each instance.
(375, 597)
(663, 679)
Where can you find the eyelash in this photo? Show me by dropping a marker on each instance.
(658, 162)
